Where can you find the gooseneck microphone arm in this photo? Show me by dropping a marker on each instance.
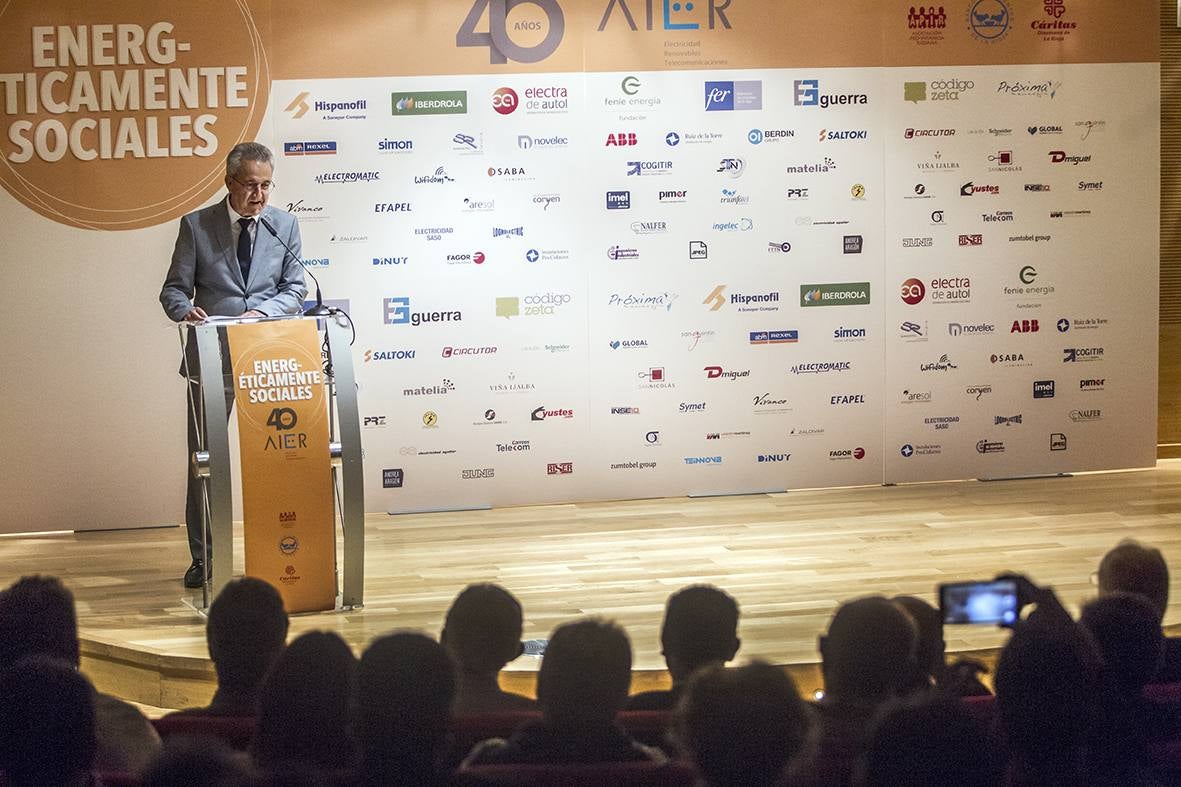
(319, 310)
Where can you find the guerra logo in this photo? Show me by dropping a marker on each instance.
(71, 145)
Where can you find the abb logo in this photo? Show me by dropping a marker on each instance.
(622, 139)
(504, 100)
(1024, 326)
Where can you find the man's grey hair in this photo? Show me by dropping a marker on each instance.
(247, 151)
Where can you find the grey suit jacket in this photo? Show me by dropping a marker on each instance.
(205, 270)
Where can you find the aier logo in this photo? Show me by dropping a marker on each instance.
(501, 46)
(836, 294)
(1043, 389)
(676, 13)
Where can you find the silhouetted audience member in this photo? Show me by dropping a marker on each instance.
(867, 658)
(245, 633)
(47, 736)
(1131, 567)
(930, 741)
(405, 690)
(37, 617)
(1047, 689)
(742, 726)
(304, 709)
(1127, 632)
(206, 762)
(959, 678)
(482, 632)
(581, 686)
(700, 629)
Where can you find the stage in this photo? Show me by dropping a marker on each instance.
(788, 558)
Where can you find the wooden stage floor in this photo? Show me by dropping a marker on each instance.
(789, 559)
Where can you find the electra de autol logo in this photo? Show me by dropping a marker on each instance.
(447, 102)
(989, 20)
(534, 18)
(504, 100)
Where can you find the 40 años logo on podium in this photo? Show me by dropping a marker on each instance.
(118, 115)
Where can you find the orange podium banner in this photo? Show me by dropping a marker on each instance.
(286, 467)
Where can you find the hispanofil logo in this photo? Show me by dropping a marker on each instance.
(807, 94)
(733, 96)
(446, 102)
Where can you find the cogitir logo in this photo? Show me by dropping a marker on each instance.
(119, 115)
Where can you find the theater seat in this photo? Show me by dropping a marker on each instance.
(236, 732)
(623, 774)
(1163, 692)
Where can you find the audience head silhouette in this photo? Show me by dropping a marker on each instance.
(585, 674)
(304, 707)
(742, 726)
(47, 732)
(868, 653)
(197, 761)
(482, 630)
(245, 632)
(405, 688)
(37, 617)
(930, 741)
(930, 647)
(1127, 631)
(1131, 567)
(700, 628)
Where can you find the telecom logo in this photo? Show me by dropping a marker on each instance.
(309, 148)
(807, 94)
(1043, 389)
(516, 446)
(619, 200)
(989, 20)
(648, 167)
(505, 101)
(451, 102)
(835, 294)
(733, 96)
(913, 291)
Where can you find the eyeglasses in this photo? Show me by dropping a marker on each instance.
(264, 186)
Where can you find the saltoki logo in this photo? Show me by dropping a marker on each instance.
(388, 355)
(397, 311)
(807, 94)
(845, 135)
(730, 96)
(309, 148)
(989, 20)
(451, 102)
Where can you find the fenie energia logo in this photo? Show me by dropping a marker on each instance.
(119, 115)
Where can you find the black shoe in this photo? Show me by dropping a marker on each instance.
(195, 576)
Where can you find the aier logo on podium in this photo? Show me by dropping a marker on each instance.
(121, 93)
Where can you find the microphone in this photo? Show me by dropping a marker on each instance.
(319, 310)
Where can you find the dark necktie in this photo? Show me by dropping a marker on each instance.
(244, 247)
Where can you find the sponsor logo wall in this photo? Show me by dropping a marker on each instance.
(675, 272)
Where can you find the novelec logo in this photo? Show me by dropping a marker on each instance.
(447, 102)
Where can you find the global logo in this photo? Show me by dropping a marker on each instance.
(504, 100)
(989, 20)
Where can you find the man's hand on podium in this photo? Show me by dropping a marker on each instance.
(253, 313)
(196, 314)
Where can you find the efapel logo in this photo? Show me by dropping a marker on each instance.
(157, 99)
(913, 291)
(504, 100)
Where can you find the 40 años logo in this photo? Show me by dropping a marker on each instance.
(501, 47)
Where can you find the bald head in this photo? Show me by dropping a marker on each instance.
(869, 651)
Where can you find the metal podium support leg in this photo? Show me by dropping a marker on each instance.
(217, 445)
(351, 469)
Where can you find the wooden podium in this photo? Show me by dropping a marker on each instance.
(302, 470)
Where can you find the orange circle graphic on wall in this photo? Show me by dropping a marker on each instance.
(119, 115)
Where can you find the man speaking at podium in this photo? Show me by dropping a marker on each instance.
(226, 264)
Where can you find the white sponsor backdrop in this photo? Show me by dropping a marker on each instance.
(652, 380)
